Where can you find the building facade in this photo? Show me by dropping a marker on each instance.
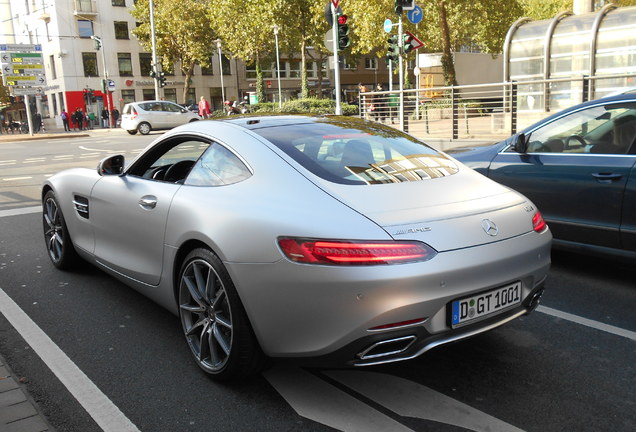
(75, 66)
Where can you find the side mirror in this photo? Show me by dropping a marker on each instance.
(112, 165)
(521, 143)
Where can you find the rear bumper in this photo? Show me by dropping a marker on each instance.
(327, 313)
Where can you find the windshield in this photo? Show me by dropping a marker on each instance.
(349, 154)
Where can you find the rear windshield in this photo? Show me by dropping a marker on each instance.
(359, 153)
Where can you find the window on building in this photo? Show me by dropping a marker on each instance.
(121, 30)
(128, 96)
(149, 94)
(119, 3)
(294, 68)
(60, 95)
(250, 70)
(192, 96)
(145, 63)
(225, 62)
(85, 28)
(370, 63)
(208, 70)
(89, 60)
(125, 64)
(52, 64)
(170, 94)
(168, 69)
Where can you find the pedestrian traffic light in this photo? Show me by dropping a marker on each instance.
(393, 51)
(162, 79)
(343, 32)
(153, 74)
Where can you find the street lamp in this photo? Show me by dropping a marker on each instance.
(280, 96)
(98, 45)
(218, 46)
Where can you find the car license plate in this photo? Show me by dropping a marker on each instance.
(485, 304)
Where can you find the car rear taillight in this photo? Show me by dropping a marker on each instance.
(538, 224)
(344, 252)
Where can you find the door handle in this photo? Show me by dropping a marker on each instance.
(607, 177)
(148, 202)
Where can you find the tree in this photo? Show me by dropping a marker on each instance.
(183, 32)
(246, 29)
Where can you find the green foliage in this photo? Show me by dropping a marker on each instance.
(183, 33)
(300, 106)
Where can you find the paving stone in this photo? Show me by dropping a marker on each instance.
(15, 412)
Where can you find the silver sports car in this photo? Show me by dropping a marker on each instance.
(333, 240)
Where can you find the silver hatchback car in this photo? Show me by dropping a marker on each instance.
(146, 116)
(325, 238)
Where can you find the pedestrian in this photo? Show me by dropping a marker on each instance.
(79, 118)
(91, 120)
(104, 118)
(115, 115)
(204, 108)
(37, 122)
(64, 116)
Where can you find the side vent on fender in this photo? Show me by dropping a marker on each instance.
(81, 205)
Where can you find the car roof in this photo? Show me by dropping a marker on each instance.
(273, 120)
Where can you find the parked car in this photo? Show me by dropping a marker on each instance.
(325, 238)
(146, 116)
(578, 166)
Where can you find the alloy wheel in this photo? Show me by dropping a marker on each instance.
(54, 234)
(206, 315)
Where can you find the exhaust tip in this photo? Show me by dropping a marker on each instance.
(387, 348)
(535, 300)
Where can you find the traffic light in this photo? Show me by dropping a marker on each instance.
(404, 5)
(98, 42)
(407, 47)
(162, 79)
(343, 32)
(393, 51)
(153, 74)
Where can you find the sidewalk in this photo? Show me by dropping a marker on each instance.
(56, 133)
(18, 412)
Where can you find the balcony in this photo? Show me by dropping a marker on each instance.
(85, 8)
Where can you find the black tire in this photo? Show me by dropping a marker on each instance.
(132, 132)
(56, 236)
(144, 128)
(214, 321)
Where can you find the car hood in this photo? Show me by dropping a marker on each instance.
(447, 213)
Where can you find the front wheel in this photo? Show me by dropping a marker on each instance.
(214, 322)
(56, 236)
(132, 132)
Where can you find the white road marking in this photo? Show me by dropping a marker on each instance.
(588, 322)
(63, 157)
(16, 178)
(7, 162)
(317, 400)
(20, 211)
(99, 407)
(410, 399)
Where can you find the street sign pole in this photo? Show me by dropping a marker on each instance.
(336, 63)
(401, 73)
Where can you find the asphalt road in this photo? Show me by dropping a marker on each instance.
(571, 366)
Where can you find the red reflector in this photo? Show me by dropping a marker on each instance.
(399, 324)
(354, 252)
(538, 224)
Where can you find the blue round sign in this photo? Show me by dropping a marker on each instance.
(388, 25)
(415, 15)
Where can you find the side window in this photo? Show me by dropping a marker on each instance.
(609, 129)
(218, 166)
(170, 161)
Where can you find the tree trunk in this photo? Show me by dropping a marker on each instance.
(304, 86)
(447, 56)
(260, 88)
(188, 79)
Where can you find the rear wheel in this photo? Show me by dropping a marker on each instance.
(58, 241)
(144, 128)
(214, 322)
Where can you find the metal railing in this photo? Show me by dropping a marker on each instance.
(485, 111)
